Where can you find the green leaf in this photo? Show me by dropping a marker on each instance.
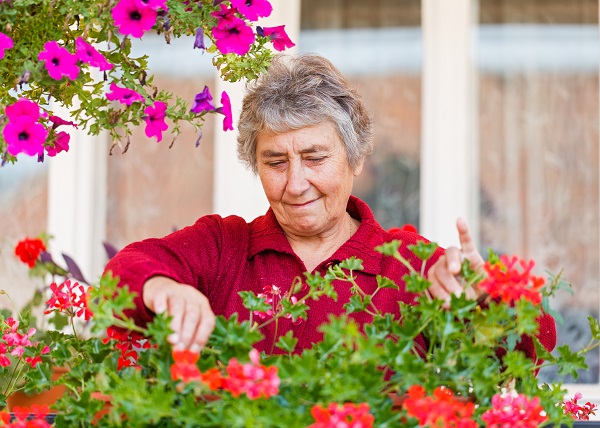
(352, 263)
(423, 250)
(594, 327)
(383, 282)
(357, 303)
(287, 342)
(415, 282)
(295, 310)
(389, 248)
(252, 302)
(570, 362)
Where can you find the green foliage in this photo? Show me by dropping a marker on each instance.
(469, 346)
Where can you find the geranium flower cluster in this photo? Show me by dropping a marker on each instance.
(252, 379)
(514, 410)
(442, 409)
(70, 299)
(26, 417)
(127, 343)
(29, 249)
(578, 412)
(506, 281)
(19, 345)
(272, 296)
(347, 415)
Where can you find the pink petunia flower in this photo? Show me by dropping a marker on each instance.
(253, 9)
(123, 95)
(61, 144)
(153, 4)
(225, 15)
(5, 43)
(88, 54)
(203, 101)
(131, 18)
(278, 37)
(155, 120)
(226, 111)
(24, 136)
(58, 121)
(233, 36)
(59, 61)
(23, 109)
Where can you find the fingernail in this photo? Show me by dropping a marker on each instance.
(195, 348)
(179, 346)
(454, 267)
(173, 338)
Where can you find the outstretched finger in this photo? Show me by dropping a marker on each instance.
(467, 244)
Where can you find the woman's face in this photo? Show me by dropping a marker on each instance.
(306, 178)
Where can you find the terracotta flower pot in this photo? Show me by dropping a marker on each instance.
(48, 397)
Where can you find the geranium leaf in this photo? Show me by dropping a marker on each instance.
(295, 310)
(389, 248)
(383, 282)
(416, 283)
(423, 250)
(357, 303)
(570, 362)
(594, 327)
(352, 263)
(252, 302)
(287, 342)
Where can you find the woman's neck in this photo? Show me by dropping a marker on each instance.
(313, 250)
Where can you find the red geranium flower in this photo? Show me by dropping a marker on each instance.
(28, 250)
(185, 367)
(506, 281)
(440, 409)
(348, 415)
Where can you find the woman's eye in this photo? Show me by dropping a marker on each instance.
(276, 163)
(315, 159)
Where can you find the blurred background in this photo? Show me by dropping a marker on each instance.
(486, 109)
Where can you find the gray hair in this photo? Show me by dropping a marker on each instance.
(303, 91)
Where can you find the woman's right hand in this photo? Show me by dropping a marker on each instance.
(193, 319)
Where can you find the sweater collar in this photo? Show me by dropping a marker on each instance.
(267, 235)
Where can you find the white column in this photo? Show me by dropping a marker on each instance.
(236, 189)
(77, 201)
(449, 156)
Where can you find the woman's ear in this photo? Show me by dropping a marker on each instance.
(359, 167)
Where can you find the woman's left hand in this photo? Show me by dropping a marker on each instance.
(443, 274)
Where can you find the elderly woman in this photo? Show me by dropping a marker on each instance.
(306, 133)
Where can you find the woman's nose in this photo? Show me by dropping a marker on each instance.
(297, 180)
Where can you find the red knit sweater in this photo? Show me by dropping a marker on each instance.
(222, 256)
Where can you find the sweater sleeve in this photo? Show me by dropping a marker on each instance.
(189, 256)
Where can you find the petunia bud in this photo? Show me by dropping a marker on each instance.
(199, 41)
(24, 77)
